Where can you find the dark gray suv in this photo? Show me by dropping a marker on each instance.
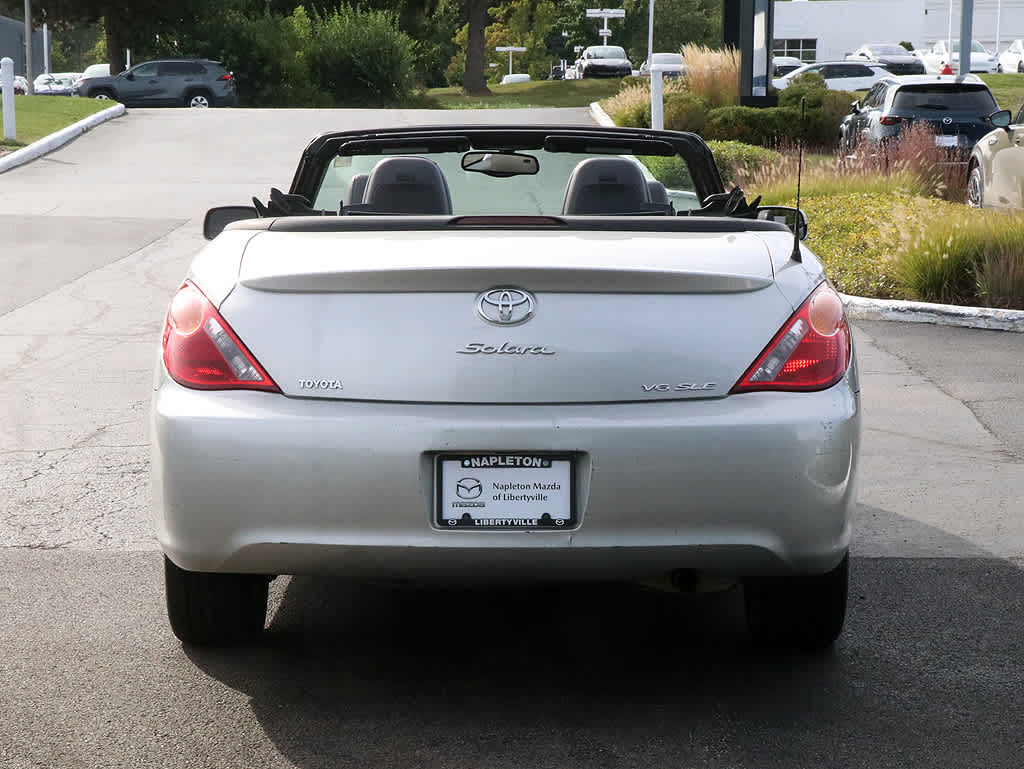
(167, 83)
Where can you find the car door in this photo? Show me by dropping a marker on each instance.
(175, 79)
(1006, 176)
(139, 85)
(869, 113)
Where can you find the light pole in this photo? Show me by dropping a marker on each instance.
(511, 49)
(650, 36)
(28, 47)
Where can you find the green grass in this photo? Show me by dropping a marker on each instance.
(542, 93)
(1008, 89)
(39, 116)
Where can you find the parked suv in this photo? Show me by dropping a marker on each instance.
(895, 58)
(168, 83)
(957, 109)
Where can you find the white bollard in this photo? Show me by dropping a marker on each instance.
(7, 92)
(657, 104)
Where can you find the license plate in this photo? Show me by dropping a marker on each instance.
(946, 141)
(484, 492)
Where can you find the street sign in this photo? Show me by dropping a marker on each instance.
(510, 48)
(606, 13)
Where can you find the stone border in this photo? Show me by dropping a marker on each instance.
(58, 139)
(862, 308)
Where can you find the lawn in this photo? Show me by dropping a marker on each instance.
(39, 116)
(543, 93)
(1008, 90)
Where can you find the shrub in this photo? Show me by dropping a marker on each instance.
(1000, 279)
(714, 75)
(630, 107)
(631, 80)
(670, 171)
(736, 160)
(684, 112)
(360, 57)
(810, 86)
(750, 124)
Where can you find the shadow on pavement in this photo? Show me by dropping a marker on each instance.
(927, 674)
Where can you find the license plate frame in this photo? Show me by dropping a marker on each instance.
(946, 140)
(552, 509)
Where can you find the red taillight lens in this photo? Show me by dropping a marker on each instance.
(228, 76)
(890, 120)
(202, 352)
(810, 352)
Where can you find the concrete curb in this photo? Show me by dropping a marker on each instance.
(59, 138)
(601, 116)
(862, 308)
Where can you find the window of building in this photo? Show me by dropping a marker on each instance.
(805, 50)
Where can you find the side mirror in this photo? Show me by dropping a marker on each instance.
(129, 76)
(1000, 119)
(218, 218)
(793, 218)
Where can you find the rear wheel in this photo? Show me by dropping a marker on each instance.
(207, 608)
(199, 100)
(804, 612)
(1020, 66)
(975, 187)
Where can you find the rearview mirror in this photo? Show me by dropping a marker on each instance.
(1000, 119)
(218, 218)
(500, 163)
(793, 218)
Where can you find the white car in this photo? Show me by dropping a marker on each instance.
(56, 83)
(671, 65)
(839, 75)
(942, 55)
(782, 65)
(520, 77)
(604, 61)
(488, 365)
(1012, 59)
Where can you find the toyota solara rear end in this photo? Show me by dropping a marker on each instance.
(469, 397)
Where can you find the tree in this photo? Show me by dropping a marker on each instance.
(473, 81)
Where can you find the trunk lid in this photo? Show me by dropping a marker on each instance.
(399, 316)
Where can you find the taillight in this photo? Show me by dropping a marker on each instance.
(890, 120)
(228, 76)
(202, 352)
(810, 352)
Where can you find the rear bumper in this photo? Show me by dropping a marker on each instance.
(754, 484)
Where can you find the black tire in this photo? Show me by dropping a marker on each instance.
(199, 99)
(975, 187)
(803, 612)
(1020, 67)
(207, 608)
(102, 93)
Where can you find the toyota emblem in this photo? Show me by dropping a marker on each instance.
(505, 306)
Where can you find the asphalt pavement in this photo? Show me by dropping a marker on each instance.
(93, 240)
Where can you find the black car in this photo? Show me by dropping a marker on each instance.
(895, 58)
(167, 83)
(957, 109)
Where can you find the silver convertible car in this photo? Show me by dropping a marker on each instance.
(485, 355)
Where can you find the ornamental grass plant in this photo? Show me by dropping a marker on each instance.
(713, 74)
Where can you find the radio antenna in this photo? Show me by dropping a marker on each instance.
(796, 255)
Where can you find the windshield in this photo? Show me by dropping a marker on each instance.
(606, 52)
(543, 193)
(963, 98)
(889, 50)
(976, 47)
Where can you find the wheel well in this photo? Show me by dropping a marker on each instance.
(199, 91)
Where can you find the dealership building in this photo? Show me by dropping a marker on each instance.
(824, 30)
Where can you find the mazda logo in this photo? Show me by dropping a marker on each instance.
(468, 488)
(505, 306)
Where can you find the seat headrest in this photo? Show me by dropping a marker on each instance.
(606, 186)
(356, 188)
(656, 191)
(407, 185)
